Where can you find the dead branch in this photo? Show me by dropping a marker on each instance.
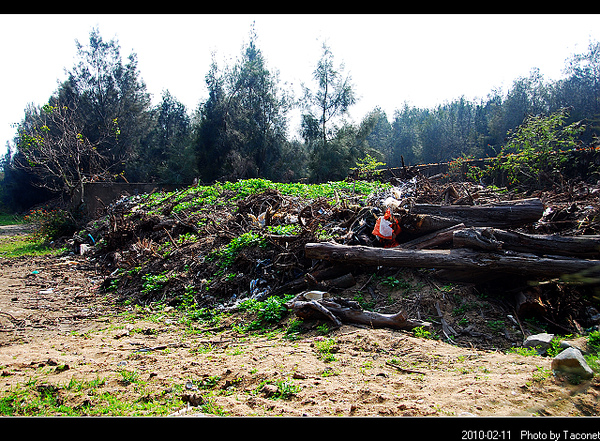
(340, 310)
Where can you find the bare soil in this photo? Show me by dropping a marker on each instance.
(52, 313)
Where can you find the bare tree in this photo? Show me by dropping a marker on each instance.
(53, 149)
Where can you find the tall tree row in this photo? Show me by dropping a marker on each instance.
(100, 124)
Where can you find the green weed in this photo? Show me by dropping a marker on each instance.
(10, 219)
(324, 350)
(268, 312)
(421, 332)
(525, 352)
(34, 398)
(394, 283)
(152, 283)
(496, 325)
(226, 255)
(285, 389)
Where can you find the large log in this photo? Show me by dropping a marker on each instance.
(458, 259)
(501, 214)
(549, 244)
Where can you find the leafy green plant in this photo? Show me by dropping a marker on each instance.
(294, 329)
(268, 312)
(593, 340)
(364, 303)
(325, 348)
(284, 230)
(394, 283)
(367, 166)
(541, 374)
(496, 325)
(227, 254)
(152, 283)
(535, 151)
(554, 349)
(187, 238)
(421, 332)
(593, 358)
(323, 329)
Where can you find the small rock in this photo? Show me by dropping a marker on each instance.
(571, 361)
(192, 399)
(269, 390)
(190, 386)
(299, 376)
(542, 341)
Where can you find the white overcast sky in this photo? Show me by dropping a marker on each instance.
(424, 60)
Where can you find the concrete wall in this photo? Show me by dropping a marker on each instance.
(97, 195)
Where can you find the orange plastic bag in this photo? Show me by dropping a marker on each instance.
(387, 228)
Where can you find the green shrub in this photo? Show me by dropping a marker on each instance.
(536, 152)
(51, 224)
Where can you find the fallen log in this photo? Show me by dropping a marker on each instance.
(461, 259)
(549, 244)
(340, 310)
(432, 239)
(501, 214)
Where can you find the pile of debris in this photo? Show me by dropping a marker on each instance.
(222, 245)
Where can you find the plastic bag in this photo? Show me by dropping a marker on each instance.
(387, 228)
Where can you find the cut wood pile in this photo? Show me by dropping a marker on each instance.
(538, 253)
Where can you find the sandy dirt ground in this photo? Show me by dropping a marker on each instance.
(56, 325)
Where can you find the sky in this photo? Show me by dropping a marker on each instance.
(423, 60)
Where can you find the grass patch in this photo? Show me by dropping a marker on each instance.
(84, 398)
(10, 219)
(15, 246)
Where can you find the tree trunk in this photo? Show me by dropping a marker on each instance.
(458, 259)
(492, 238)
(502, 214)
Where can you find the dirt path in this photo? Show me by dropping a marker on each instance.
(52, 315)
(13, 230)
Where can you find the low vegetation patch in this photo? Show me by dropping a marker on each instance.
(16, 246)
